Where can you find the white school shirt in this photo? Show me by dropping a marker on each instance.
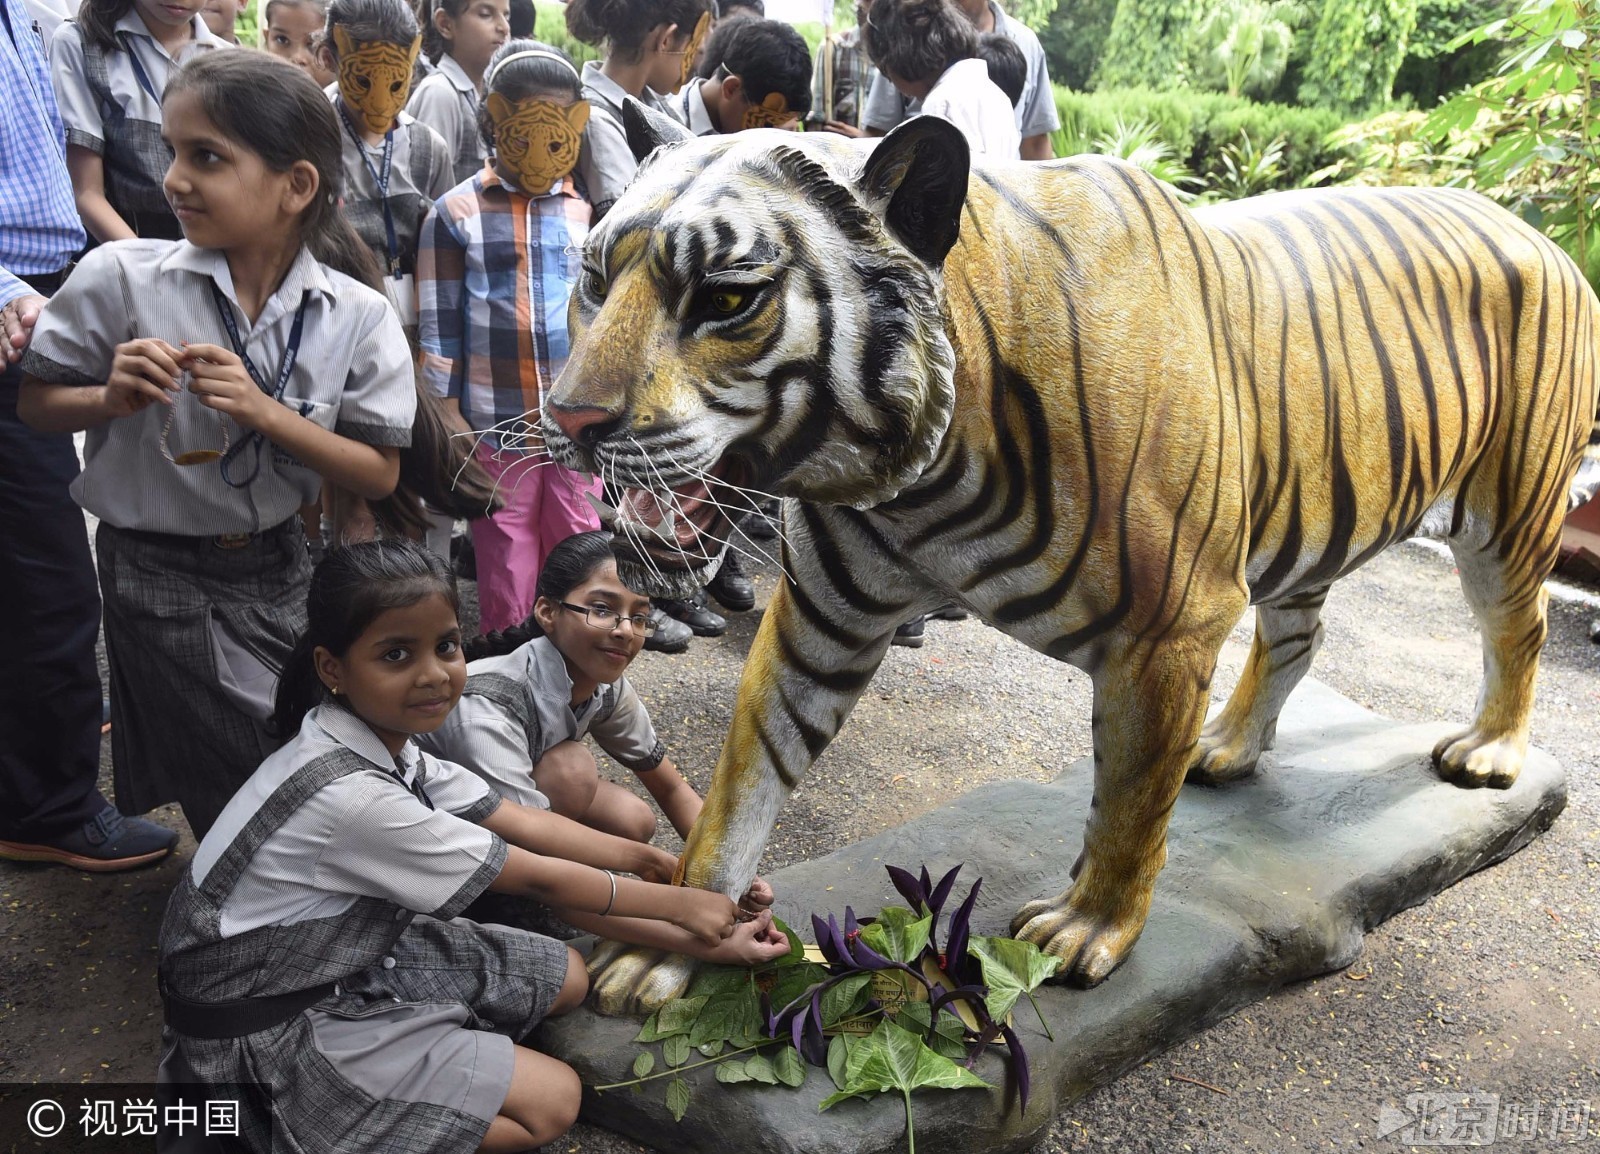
(364, 834)
(480, 735)
(447, 101)
(966, 97)
(1035, 112)
(605, 162)
(353, 375)
(81, 113)
(688, 107)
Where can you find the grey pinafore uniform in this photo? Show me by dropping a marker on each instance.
(389, 967)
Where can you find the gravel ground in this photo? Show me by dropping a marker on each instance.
(1493, 986)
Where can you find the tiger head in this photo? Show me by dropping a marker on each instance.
(758, 313)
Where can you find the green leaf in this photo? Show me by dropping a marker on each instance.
(841, 1096)
(842, 999)
(716, 980)
(731, 1073)
(915, 1016)
(794, 981)
(903, 934)
(789, 1067)
(643, 1064)
(678, 1015)
(726, 1016)
(712, 1048)
(678, 1099)
(1010, 969)
(838, 1052)
(797, 948)
(759, 1067)
(647, 1032)
(952, 1048)
(676, 1049)
(896, 1059)
(915, 1067)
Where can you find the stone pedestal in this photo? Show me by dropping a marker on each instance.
(1268, 881)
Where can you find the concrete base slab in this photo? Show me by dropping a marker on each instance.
(1268, 881)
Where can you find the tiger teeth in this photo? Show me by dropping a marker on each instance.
(667, 530)
(606, 513)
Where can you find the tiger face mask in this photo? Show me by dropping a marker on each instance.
(691, 50)
(772, 112)
(536, 141)
(375, 77)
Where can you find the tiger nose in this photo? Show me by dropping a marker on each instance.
(585, 424)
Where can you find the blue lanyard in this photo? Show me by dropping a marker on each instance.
(381, 179)
(139, 73)
(255, 440)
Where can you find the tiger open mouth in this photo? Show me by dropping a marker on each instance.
(670, 541)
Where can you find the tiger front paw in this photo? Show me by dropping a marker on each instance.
(1091, 941)
(628, 981)
(1473, 760)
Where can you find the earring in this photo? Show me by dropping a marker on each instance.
(334, 690)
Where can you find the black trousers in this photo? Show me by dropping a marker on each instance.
(49, 683)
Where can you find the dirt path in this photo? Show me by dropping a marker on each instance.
(1493, 986)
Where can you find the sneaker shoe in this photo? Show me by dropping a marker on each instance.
(670, 636)
(731, 586)
(910, 633)
(950, 611)
(696, 614)
(106, 843)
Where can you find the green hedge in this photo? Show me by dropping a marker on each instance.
(1198, 124)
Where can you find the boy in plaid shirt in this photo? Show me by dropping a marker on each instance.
(496, 263)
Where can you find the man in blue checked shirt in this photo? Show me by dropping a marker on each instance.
(50, 808)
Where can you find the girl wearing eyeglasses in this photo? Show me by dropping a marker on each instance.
(534, 691)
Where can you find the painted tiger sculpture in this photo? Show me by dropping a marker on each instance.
(1101, 421)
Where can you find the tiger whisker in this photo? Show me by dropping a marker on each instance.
(734, 515)
(625, 526)
(674, 509)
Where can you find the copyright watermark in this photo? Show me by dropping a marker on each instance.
(124, 1119)
(1476, 1119)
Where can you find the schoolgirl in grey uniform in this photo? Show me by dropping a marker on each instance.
(109, 68)
(460, 37)
(534, 692)
(220, 379)
(314, 945)
(650, 47)
(395, 166)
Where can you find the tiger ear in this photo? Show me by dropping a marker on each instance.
(916, 180)
(648, 130)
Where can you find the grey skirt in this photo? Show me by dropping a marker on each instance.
(414, 1054)
(178, 729)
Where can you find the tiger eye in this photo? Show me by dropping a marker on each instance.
(597, 286)
(727, 302)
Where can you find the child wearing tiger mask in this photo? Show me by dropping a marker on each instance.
(754, 73)
(496, 265)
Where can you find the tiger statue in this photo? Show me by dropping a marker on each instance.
(1103, 422)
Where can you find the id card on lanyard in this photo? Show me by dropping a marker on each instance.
(255, 440)
(400, 287)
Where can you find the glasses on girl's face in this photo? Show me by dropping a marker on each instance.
(599, 617)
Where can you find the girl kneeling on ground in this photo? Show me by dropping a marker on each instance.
(314, 947)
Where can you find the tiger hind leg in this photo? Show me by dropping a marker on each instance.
(1508, 598)
(1288, 634)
